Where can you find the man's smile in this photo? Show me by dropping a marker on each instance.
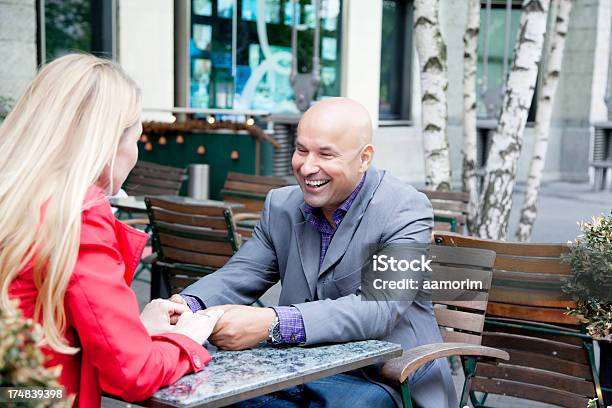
(316, 184)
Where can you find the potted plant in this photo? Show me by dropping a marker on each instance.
(22, 361)
(590, 285)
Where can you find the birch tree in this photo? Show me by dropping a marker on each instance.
(500, 177)
(470, 60)
(431, 51)
(546, 102)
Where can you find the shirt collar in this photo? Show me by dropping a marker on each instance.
(342, 208)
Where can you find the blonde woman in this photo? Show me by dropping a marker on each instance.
(69, 141)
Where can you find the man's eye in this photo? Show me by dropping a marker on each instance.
(327, 155)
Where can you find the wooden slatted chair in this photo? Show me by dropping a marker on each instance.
(450, 209)
(551, 359)
(190, 240)
(251, 191)
(148, 178)
(460, 314)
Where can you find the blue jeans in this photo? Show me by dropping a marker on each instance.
(341, 390)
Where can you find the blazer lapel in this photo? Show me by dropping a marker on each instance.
(348, 226)
(309, 249)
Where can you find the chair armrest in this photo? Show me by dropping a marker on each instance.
(246, 216)
(398, 369)
(136, 221)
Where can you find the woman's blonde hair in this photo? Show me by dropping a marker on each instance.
(59, 139)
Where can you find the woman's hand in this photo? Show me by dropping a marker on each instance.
(199, 325)
(156, 315)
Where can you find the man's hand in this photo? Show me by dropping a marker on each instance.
(241, 327)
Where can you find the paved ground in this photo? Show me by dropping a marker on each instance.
(562, 205)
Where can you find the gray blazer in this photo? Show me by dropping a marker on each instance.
(286, 247)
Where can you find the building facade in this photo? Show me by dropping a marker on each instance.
(238, 54)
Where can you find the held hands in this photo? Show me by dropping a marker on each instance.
(240, 327)
(199, 325)
(157, 315)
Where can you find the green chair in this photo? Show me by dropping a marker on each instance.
(551, 357)
(190, 240)
(450, 209)
(460, 315)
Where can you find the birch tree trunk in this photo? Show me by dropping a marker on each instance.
(543, 120)
(431, 52)
(470, 60)
(498, 185)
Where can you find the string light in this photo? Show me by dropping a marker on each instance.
(148, 147)
(201, 150)
(210, 119)
(180, 139)
(144, 138)
(172, 119)
(250, 122)
(162, 140)
(234, 155)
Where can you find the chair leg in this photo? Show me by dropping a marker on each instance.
(595, 374)
(406, 398)
(469, 369)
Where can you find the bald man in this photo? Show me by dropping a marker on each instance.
(314, 239)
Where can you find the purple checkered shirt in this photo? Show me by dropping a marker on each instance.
(290, 320)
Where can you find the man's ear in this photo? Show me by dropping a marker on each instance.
(367, 155)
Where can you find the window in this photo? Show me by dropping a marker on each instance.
(395, 60)
(75, 25)
(251, 69)
(492, 48)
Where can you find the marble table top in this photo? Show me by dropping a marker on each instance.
(234, 376)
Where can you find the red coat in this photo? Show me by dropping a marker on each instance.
(117, 355)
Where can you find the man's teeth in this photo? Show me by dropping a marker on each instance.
(315, 183)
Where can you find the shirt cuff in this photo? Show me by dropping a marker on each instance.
(193, 302)
(290, 324)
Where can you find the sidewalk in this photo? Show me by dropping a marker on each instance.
(562, 205)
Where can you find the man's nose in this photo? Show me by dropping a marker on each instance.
(310, 165)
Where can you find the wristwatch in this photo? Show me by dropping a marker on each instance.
(274, 334)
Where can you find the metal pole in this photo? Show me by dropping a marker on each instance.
(40, 32)
(294, 69)
(608, 96)
(234, 36)
(316, 76)
(182, 34)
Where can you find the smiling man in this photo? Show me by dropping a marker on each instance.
(314, 239)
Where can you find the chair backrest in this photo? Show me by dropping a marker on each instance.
(550, 360)
(450, 209)
(148, 178)
(190, 240)
(527, 279)
(249, 190)
(461, 309)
